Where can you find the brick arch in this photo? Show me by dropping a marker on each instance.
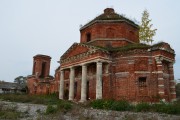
(110, 33)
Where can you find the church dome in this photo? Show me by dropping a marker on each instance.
(109, 15)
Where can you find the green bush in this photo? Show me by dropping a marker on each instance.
(169, 108)
(64, 105)
(108, 104)
(102, 104)
(51, 109)
(97, 104)
(143, 107)
(121, 105)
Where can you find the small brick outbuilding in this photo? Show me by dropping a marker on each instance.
(40, 82)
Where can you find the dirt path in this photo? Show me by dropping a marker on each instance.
(35, 112)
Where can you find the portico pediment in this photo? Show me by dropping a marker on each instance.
(79, 50)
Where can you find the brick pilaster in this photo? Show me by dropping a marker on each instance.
(172, 82)
(160, 77)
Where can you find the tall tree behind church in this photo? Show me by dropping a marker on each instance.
(146, 33)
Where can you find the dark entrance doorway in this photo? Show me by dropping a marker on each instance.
(75, 89)
(87, 97)
(43, 70)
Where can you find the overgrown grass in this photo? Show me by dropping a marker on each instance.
(130, 47)
(122, 105)
(9, 113)
(125, 48)
(54, 104)
(61, 105)
(35, 99)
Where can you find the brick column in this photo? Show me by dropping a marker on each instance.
(84, 83)
(71, 86)
(160, 77)
(99, 80)
(172, 83)
(61, 87)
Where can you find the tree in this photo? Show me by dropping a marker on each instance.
(146, 33)
(22, 82)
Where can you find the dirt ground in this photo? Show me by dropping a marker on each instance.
(37, 112)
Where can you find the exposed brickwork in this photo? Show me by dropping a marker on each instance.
(40, 82)
(142, 73)
(41, 65)
(114, 34)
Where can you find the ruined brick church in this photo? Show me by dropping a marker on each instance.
(108, 63)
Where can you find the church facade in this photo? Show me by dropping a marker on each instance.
(111, 63)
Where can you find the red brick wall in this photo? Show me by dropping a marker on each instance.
(111, 31)
(109, 43)
(37, 68)
(77, 50)
(30, 84)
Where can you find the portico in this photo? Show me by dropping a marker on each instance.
(84, 81)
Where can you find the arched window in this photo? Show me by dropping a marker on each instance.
(43, 70)
(88, 37)
(34, 68)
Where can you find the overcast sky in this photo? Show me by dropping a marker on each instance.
(50, 27)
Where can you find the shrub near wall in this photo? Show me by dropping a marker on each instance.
(122, 105)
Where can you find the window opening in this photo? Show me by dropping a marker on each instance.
(88, 36)
(67, 85)
(34, 68)
(75, 89)
(43, 70)
(87, 91)
(142, 82)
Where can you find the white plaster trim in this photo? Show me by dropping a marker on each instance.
(122, 72)
(92, 60)
(161, 92)
(160, 85)
(165, 58)
(160, 78)
(159, 62)
(67, 80)
(172, 87)
(174, 93)
(142, 72)
(106, 21)
(157, 72)
(135, 57)
(109, 39)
